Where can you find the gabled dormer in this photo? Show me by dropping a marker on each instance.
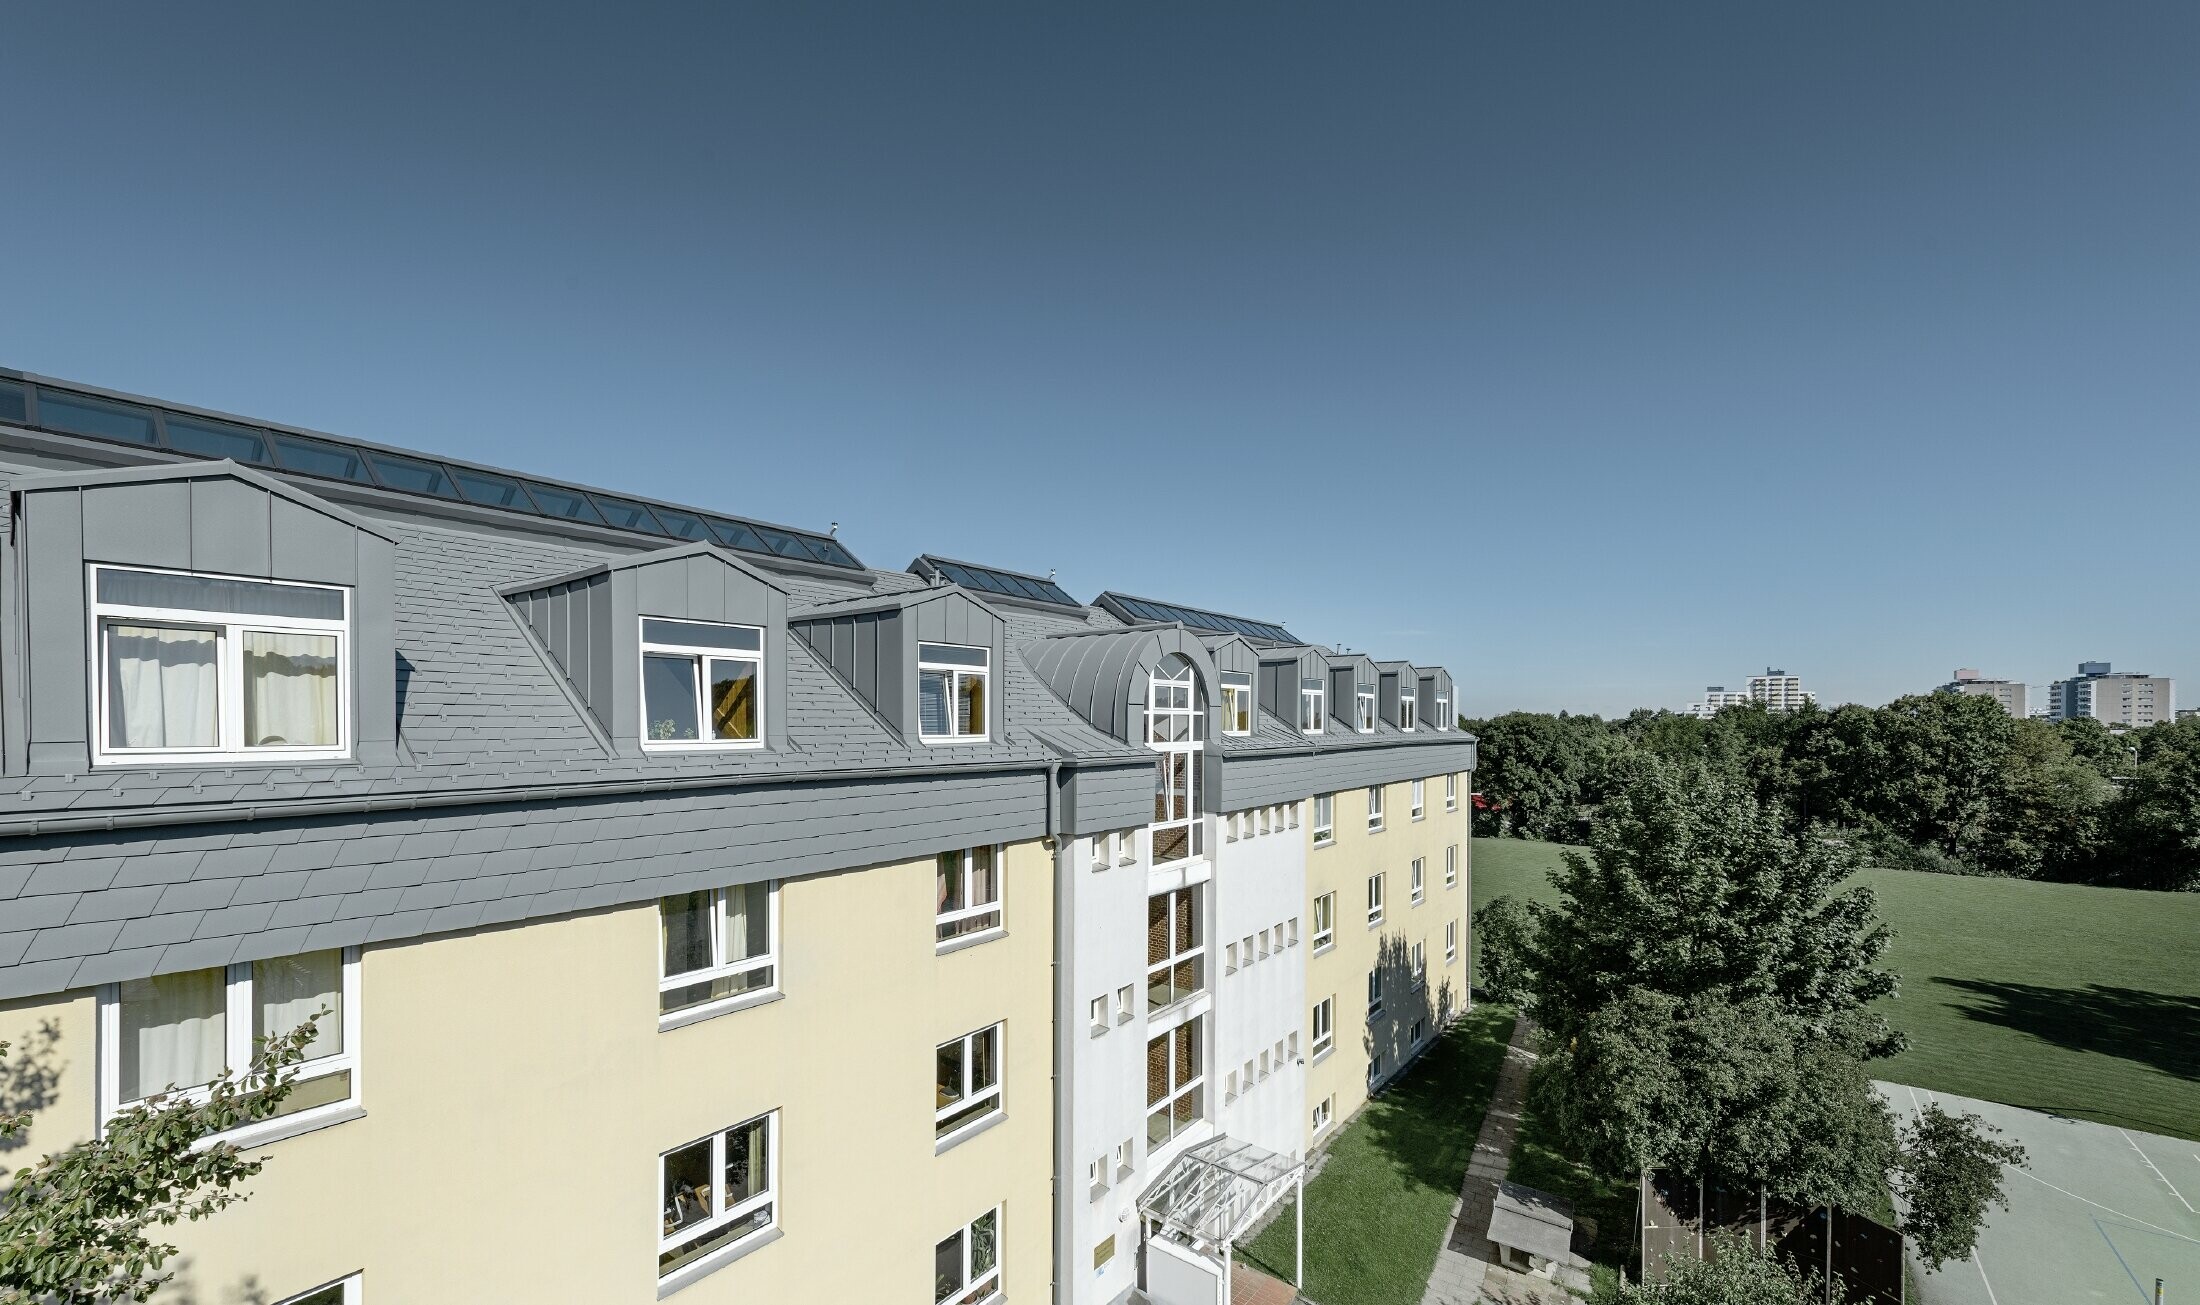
(1237, 665)
(195, 614)
(1398, 694)
(1294, 687)
(1438, 711)
(1352, 687)
(927, 661)
(674, 652)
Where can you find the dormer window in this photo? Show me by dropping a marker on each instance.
(1364, 695)
(197, 668)
(1408, 704)
(1313, 705)
(1443, 711)
(951, 692)
(701, 685)
(1237, 703)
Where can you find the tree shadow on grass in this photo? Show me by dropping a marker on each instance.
(2156, 1029)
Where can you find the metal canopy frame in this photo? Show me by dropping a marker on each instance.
(1212, 1193)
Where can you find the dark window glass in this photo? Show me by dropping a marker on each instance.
(701, 634)
(626, 515)
(79, 415)
(205, 593)
(492, 491)
(735, 535)
(316, 458)
(836, 554)
(563, 503)
(818, 548)
(684, 525)
(782, 543)
(14, 402)
(411, 475)
(213, 439)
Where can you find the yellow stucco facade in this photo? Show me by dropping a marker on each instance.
(518, 1093)
(1341, 865)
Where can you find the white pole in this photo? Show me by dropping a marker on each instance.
(1298, 1240)
(1225, 1298)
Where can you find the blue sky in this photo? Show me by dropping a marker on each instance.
(1598, 353)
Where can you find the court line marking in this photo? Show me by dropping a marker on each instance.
(1976, 1262)
(1990, 1286)
(2135, 1283)
(2112, 1210)
(2159, 1174)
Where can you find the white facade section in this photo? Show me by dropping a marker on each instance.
(1260, 895)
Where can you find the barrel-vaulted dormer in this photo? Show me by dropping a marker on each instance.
(1105, 676)
(678, 651)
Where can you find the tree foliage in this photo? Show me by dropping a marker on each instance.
(1736, 1273)
(1938, 781)
(80, 1226)
(1503, 931)
(1949, 1174)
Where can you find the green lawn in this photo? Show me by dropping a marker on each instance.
(1377, 1210)
(2057, 997)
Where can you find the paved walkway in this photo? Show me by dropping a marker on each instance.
(1460, 1266)
(1249, 1286)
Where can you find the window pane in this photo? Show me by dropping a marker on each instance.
(289, 689)
(932, 702)
(688, 1199)
(563, 503)
(985, 1060)
(668, 693)
(206, 593)
(213, 439)
(703, 634)
(173, 1031)
(411, 475)
(86, 416)
(970, 704)
(161, 687)
(952, 654)
(12, 405)
(748, 922)
(947, 1267)
(1187, 919)
(491, 491)
(732, 699)
(1187, 1052)
(949, 881)
(288, 992)
(686, 923)
(1157, 928)
(949, 1072)
(985, 1250)
(748, 1161)
(317, 458)
(1157, 1071)
(626, 515)
(985, 886)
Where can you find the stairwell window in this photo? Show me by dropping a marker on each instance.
(952, 683)
(969, 1082)
(701, 685)
(1313, 705)
(171, 1036)
(967, 893)
(719, 948)
(1325, 818)
(966, 1265)
(1237, 703)
(1176, 948)
(718, 1193)
(1174, 716)
(198, 668)
(1175, 1073)
(1363, 697)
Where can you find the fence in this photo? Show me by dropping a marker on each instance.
(1679, 1215)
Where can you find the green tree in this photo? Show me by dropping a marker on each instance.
(1950, 1172)
(1941, 773)
(1532, 772)
(1736, 1273)
(1503, 934)
(2156, 818)
(2046, 819)
(78, 1227)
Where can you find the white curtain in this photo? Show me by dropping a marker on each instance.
(748, 921)
(161, 690)
(289, 991)
(172, 1031)
(289, 689)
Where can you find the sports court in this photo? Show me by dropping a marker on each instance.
(2098, 1214)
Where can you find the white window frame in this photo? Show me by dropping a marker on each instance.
(1375, 809)
(720, 967)
(237, 1015)
(1325, 1114)
(1177, 1090)
(702, 654)
(1363, 698)
(1325, 819)
(1420, 880)
(229, 629)
(1196, 953)
(972, 1095)
(1325, 922)
(351, 1291)
(1451, 866)
(1419, 806)
(1313, 709)
(1443, 711)
(1375, 899)
(1419, 976)
(1409, 705)
(1451, 791)
(970, 911)
(1172, 742)
(1451, 941)
(1375, 994)
(722, 1215)
(956, 673)
(988, 1286)
(1237, 704)
(1323, 1034)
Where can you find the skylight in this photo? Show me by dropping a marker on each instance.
(989, 580)
(1145, 609)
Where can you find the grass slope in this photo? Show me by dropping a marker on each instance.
(2058, 997)
(1377, 1210)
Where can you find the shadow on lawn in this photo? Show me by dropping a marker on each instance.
(2153, 1028)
